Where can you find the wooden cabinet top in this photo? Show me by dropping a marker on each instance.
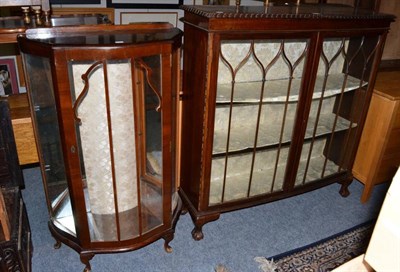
(388, 85)
(104, 35)
(305, 16)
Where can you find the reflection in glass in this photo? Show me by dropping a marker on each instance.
(149, 83)
(339, 92)
(257, 95)
(47, 131)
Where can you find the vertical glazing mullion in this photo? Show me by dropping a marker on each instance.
(110, 138)
(334, 124)
(227, 141)
(262, 91)
(282, 53)
(352, 111)
(328, 65)
(344, 84)
(233, 83)
(138, 105)
(315, 127)
(260, 103)
(366, 61)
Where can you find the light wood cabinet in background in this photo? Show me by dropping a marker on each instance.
(378, 155)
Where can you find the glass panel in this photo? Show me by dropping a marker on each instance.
(339, 95)
(46, 124)
(104, 105)
(257, 92)
(149, 83)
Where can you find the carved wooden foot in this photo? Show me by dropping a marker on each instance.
(184, 210)
(197, 233)
(168, 238)
(57, 245)
(85, 259)
(344, 189)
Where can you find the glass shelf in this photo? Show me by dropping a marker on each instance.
(239, 171)
(244, 119)
(249, 92)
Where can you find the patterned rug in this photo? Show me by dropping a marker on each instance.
(322, 256)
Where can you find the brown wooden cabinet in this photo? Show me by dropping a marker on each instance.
(273, 102)
(378, 155)
(15, 234)
(103, 103)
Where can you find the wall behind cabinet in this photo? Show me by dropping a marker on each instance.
(392, 49)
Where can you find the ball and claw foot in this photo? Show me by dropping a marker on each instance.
(87, 269)
(197, 233)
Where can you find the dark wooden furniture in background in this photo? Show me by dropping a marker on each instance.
(10, 172)
(273, 101)
(16, 252)
(103, 102)
(15, 235)
(20, 113)
(378, 155)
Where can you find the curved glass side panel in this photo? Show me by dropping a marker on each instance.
(47, 130)
(148, 83)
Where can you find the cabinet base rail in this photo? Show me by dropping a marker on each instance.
(212, 213)
(86, 254)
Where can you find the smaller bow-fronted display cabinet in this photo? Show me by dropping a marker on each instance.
(274, 99)
(103, 102)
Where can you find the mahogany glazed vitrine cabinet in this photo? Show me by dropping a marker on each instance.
(273, 101)
(103, 101)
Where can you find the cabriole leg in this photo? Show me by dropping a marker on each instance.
(344, 189)
(168, 238)
(85, 259)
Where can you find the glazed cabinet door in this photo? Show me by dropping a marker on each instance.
(104, 102)
(117, 152)
(119, 114)
(338, 105)
(259, 86)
